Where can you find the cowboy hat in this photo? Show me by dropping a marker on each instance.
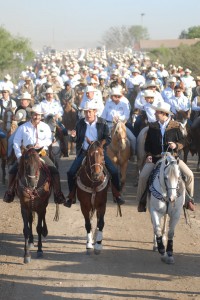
(25, 96)
(90, 105)
(116, 91)
(89, 88)
(49, 91)
(37, 109)
(20, 115)
(149, 93)
(163, 106)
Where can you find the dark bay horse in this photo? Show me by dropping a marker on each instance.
(7, 126)
(33, 187)
(69, 120)
(92, 186)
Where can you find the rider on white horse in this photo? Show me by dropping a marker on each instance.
(163, 135)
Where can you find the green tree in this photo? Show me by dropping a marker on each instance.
(191, 33)
(120, 37)
(15, 52)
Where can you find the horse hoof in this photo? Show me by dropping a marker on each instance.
(167, 259)
(97, 252)
(155, 248)
(89, 251)
(89, 246)
(27, 259)
(97, 248)
(39, 254)
(31, 245)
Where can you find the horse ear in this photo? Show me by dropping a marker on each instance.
(177, 160)
(166, 161)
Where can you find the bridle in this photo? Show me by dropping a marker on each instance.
(93, 165)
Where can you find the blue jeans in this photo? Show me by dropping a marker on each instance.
(71, 174)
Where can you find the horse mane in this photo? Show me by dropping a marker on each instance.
(33, 159)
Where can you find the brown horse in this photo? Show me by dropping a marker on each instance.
(119, 150)
(69, 120)
(8, 126)
(33, 187)
(92, 186)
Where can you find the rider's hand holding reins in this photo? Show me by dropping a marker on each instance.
(172, 145)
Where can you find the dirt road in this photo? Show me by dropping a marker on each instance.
(127, 268)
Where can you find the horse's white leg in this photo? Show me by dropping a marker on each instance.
(156, 221)
(98, 242)
(89, 244)
(164, 229)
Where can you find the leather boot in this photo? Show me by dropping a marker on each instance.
(117, 196)
(71, 198)
(59, 198)
(10, 193)
(143, 202)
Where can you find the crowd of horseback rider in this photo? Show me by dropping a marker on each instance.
(117, 86)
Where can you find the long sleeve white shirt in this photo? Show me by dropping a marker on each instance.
(120, 110)
(51, 107)
(27, 134)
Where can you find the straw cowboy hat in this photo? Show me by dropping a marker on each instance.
(163, 106)
(49, 91)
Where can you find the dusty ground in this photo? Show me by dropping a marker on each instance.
(127, 268)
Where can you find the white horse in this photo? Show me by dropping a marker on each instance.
(167, 197)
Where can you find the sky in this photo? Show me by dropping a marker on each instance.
(69, 24)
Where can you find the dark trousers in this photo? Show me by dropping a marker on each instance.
(71, 174)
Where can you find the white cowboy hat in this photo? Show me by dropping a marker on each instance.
(149, 93)
(89, 88)
(163, 106)
(90, 105)
(172, 79)
(116, 91)
(37, 109)
(5, 87)
(7, 77)
(25, 96)
(49, 91)
(20, 115)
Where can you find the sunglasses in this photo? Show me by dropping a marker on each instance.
(3, 92)
(116, 96)
(177, 91)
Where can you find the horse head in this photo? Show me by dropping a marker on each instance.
(95, 160)
(30, 165)
(118, 134)
(170, 176)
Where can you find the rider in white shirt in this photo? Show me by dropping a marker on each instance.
(36, 134)
(51, 105)
(179, 101)
(116, 108)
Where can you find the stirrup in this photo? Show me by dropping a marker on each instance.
(119, 200)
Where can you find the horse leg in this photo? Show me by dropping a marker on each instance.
(39, 232)
(156, 221)
(3, 167)
(26, 230)
(88, 227)
(123, 175)
(99, 233)
(31, 239)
